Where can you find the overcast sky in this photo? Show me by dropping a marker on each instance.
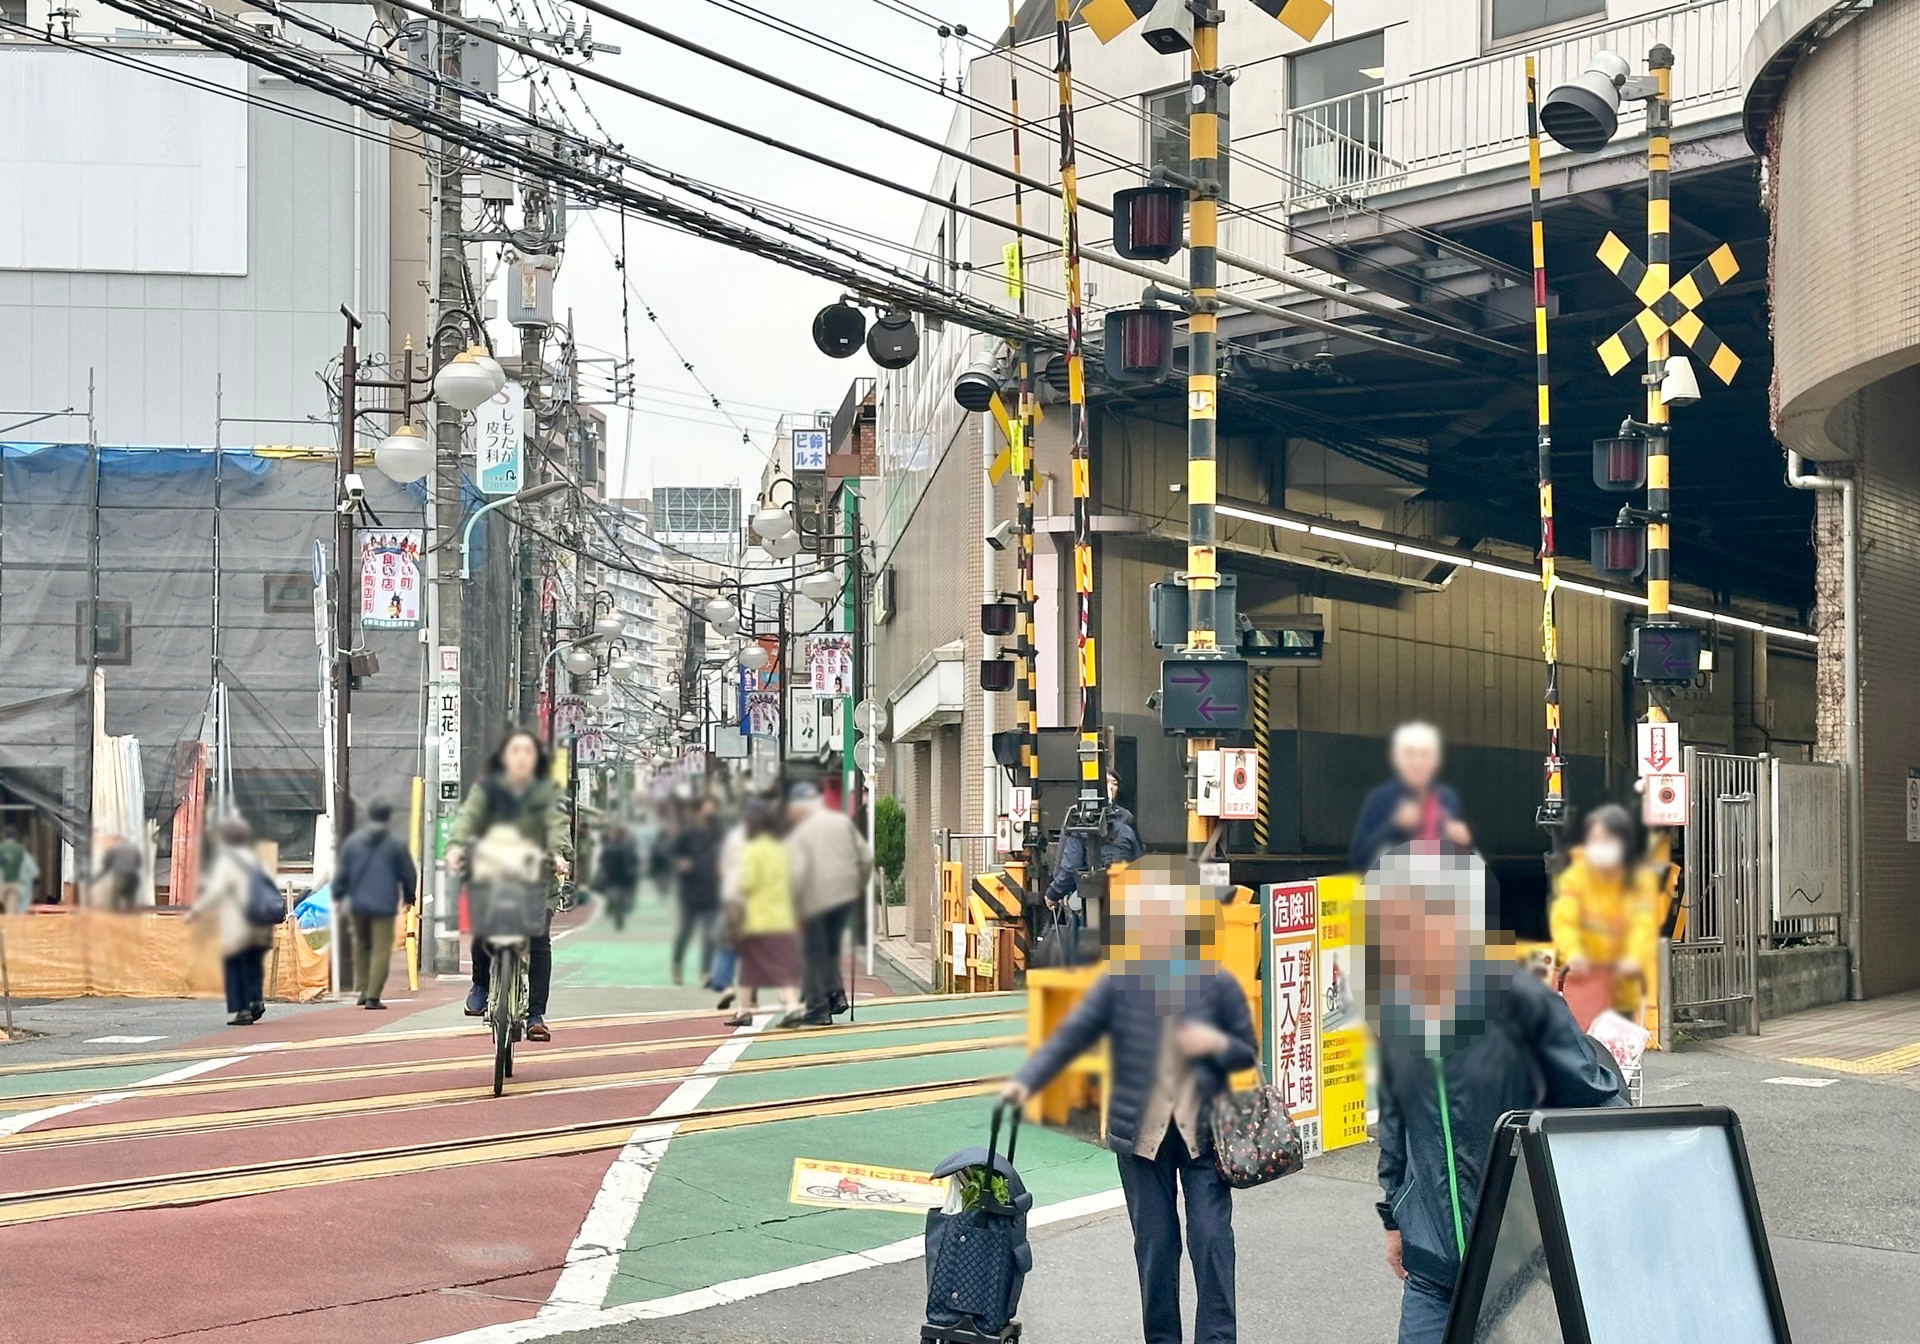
(742, 322)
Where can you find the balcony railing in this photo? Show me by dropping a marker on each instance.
(1473, 115)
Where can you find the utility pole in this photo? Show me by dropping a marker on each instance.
(449, 298)
(1667, 308)
(346, 592)
(1203, 577)
(1025, 646)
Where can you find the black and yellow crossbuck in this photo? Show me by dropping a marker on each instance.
(1110, 18)
(1669, 308)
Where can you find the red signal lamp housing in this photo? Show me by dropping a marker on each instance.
(1149, 222)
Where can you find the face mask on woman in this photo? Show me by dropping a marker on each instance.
(1606, 854)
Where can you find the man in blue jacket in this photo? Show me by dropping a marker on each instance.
(1413, 805)
(375, 877)
(1120, 843)
(1463, 1039)
(1178, 1026)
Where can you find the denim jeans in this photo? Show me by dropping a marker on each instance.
(1423, 1311)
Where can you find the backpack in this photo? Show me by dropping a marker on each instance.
(265, 906)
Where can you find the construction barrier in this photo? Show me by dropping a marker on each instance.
(60, 953)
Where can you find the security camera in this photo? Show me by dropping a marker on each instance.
(1169, 27)
(1679, 387)
(1001, 533)
(352, 489)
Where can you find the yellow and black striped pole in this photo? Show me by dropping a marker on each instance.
(1656, 283)
(1026, 649)
(1262, 726)
(1553, 808)
(1203, 215)
(1655, 289)
(1093, 789)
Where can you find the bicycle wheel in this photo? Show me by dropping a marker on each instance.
(500, 996)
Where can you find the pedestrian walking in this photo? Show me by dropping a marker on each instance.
(723, 978)
(243, 944)
(517, 791)
(619, 872)
(1605, 918)
(375, 876)
(695, 855)
(766, 940)
(1178, 1029)
(1413, 805)
(18, 873)
(1118, 843)
(828, 866)
(1463, 1039)
(121, 869)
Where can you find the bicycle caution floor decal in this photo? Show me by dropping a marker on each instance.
(848, 1185)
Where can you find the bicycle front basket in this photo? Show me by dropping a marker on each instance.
(506, 909)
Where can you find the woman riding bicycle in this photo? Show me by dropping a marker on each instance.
(516, 791)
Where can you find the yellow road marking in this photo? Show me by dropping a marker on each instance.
(186, 1054)
(1897, 1060)
(358, 1072)
(174, 1125)
(211, 1186)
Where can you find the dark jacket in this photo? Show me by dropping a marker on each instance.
(619, 864)
(1125, 1006)
(695, 854)
(1529, 1055)
(1374, 831)
(375, 873)
(1120, 844)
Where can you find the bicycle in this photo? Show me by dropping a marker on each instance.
(507, 996)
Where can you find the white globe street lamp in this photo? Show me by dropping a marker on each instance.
(598, 697)
(491, 365)
(753, 657)
(579, 661)
(771, 523)
(463, 382)
(783, 547)
(719, 611)
(404, 455)
(823, 585)
(608, 625)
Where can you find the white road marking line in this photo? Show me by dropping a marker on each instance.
(1803, 1082)
(564, 1320)
(264, 1045)
(595, 1254)
(13, 1124)
(124, 1040)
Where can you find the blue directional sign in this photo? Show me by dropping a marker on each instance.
(1204, 696)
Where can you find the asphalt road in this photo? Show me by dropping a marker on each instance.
(1837, 1169)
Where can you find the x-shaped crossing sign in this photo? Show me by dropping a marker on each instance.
(1669, 308)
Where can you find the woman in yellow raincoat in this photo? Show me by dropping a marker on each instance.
(1605, 907)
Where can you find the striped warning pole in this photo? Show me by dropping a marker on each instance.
(1203, 223)
(1262, 721)
(1093, 791)
(1553, 808)
(1025, 647)
(1666, 307)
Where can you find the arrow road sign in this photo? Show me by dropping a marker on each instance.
(1205, 696)
(1666, 653)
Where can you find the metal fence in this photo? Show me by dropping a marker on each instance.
(1715, 962)
(1454, 120)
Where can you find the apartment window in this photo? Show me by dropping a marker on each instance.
(1511, 18)
(288, 592)
(1334, 94)
(1166, 128)
(14, 11)
(113, 633)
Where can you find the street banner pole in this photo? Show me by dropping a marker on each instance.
(1553, 808)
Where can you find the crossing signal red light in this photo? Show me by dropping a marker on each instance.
(996, 618)
(1139, 344)
(1619, 553)
(996, 674)
(1148, 221)
(1620, 463)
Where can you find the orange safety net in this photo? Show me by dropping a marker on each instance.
(64, 954)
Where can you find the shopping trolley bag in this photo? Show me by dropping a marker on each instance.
(977, 1251)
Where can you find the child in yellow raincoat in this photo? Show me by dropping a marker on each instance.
(1605, 907)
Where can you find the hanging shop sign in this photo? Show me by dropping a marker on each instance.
(497, 440)
(830, 661)
(390, 588)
